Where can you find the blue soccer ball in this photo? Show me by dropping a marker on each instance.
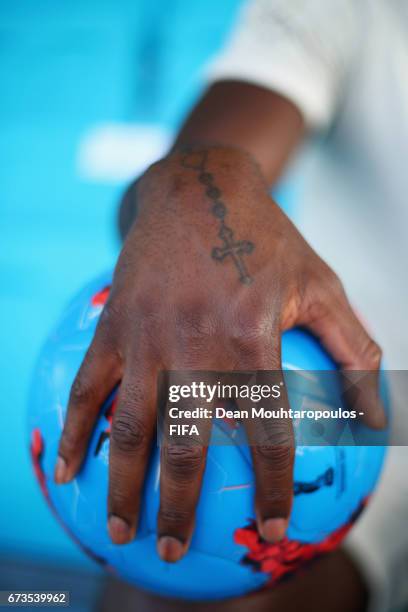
(227, 557)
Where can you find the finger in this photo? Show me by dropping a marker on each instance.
(132, 431)
(182, 469)
(273, 450)
(345, 338)
(182, 466)
(98, 375)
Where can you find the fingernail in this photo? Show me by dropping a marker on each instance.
(119, 530)
(61, 471)
(170, 549)
(273, 530)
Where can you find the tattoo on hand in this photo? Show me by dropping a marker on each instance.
(232, 249)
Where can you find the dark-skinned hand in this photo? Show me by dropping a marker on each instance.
(180, 302)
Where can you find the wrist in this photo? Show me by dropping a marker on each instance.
(219, 175)
(231, 165)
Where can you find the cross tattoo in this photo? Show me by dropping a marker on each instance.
(196, 160)
(236, 250)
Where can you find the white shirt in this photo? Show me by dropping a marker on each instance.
(344, 63)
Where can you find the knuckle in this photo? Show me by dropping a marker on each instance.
(112, 312)
(82, 392)
(332, 283)
(277, 433)
(256, 323)
(372, 355)
(147, 315)
(251, 333)
(276, 456)
(183, 461)
(151, 320)
(196, 320)
(325, 294)
(252, 342)
(323, 286)
(129, 434)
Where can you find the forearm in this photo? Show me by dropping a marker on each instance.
(249, 117)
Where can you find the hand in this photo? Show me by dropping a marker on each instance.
(187, 296)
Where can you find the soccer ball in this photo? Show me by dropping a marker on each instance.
(227, 556)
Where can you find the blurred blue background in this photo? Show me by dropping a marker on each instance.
(90, 93)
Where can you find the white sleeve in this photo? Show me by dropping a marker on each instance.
(302, 49)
